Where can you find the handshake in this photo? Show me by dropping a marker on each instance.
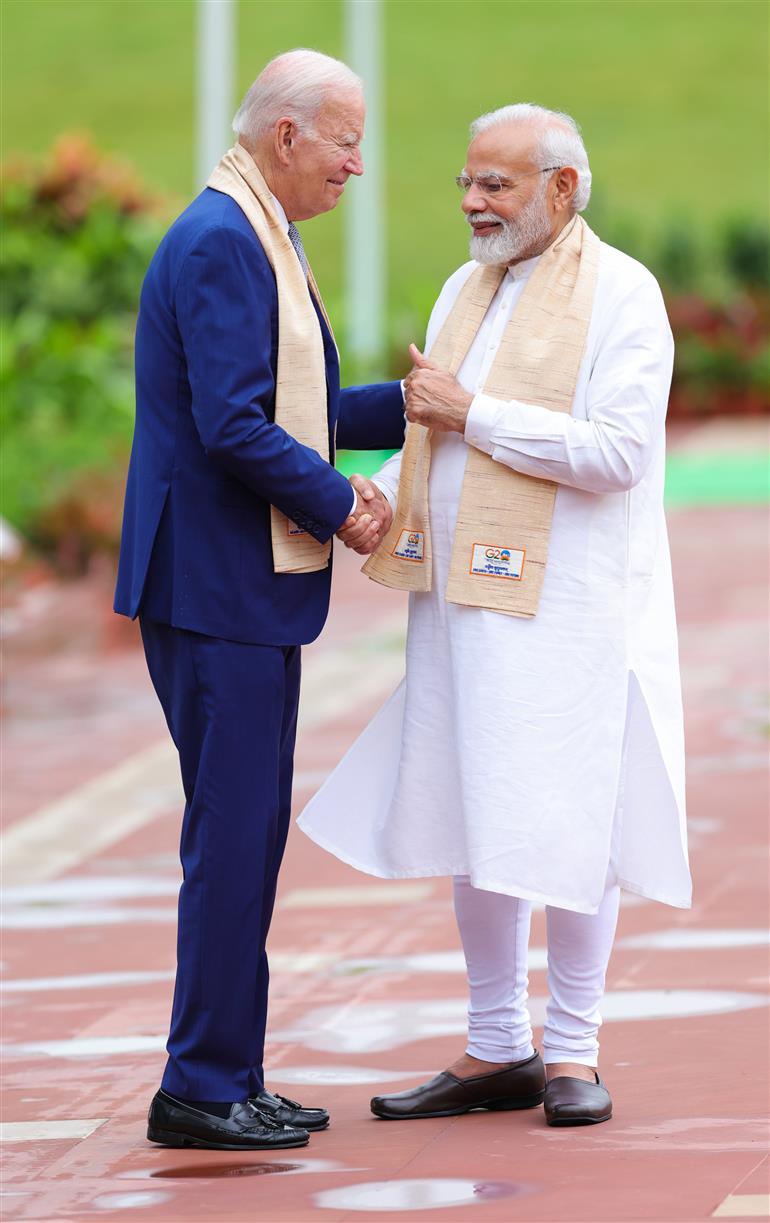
(370, 521)
(433, 398)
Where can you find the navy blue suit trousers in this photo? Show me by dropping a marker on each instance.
(231, 709)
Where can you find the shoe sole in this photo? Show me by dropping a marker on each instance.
(492, 1106)
(168, 1138)
(564, 1121)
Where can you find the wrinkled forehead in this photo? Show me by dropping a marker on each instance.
(342, 114)
(502, 149)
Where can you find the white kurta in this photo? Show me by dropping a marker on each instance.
(520, 751)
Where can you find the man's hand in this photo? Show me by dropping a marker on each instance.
(433, 398)
(371, 519)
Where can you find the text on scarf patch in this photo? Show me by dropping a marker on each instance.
(490, 561)
(410, 546)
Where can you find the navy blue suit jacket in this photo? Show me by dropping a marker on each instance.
(207, 458)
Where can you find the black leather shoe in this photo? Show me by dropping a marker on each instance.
(519, 1086)
(174, 1124)
(571, 1101)
(289, 1112)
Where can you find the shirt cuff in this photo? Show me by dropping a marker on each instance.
(390, 494)
(403, 390)
(480, 422)
(355, 502)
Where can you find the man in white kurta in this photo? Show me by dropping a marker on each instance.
(534, 759)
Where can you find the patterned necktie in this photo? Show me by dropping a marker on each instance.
(296, 242)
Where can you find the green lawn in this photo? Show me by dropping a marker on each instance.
(691, 479)
(718, 479)
(671, 96)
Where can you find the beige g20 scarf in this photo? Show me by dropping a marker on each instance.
(504, 518)
(300, 393)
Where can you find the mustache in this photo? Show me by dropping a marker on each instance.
(484, 218)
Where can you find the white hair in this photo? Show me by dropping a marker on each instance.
(559, 142)
(294, 85)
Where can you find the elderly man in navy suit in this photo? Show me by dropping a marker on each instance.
(222, 622)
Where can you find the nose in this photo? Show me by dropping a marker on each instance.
(355, 163)
(473, 200)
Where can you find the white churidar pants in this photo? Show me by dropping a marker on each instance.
(494, 929)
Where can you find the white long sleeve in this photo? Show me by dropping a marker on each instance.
(626, 402)
(388, 476)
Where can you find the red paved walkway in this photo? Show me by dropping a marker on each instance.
(368, 987)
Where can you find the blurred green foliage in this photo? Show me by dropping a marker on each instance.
(77, 237)
(747, 253)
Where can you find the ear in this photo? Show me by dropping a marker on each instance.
(285, 135)
(565, 186)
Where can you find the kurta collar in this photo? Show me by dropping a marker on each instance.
(520, 271)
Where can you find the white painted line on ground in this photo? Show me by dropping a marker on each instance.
(349, 897)
(737, 762)
(430, 962)
(92, 817)
(58, 903)
(110, 807)
(90, 980)
(744, 1206)
(424, 962)
(686, 939)
(54, 917)
(704, 1135)
(334, 1075)
(87, 1046)
(294, 962)
(370, 1027)
(300, 961)
(37, 1131)
(92, 887)
(335, 681)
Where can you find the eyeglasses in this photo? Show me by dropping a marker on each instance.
(493, 184)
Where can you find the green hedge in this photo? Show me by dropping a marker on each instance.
(77, 237)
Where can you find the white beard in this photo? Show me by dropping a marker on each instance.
(523, 238)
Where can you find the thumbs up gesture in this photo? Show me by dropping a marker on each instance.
(434, 398)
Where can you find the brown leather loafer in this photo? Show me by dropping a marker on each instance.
(571, 1101)
(519, 1086)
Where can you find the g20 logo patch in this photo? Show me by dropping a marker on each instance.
(410, 546)
(493, 561)
(501, 555)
